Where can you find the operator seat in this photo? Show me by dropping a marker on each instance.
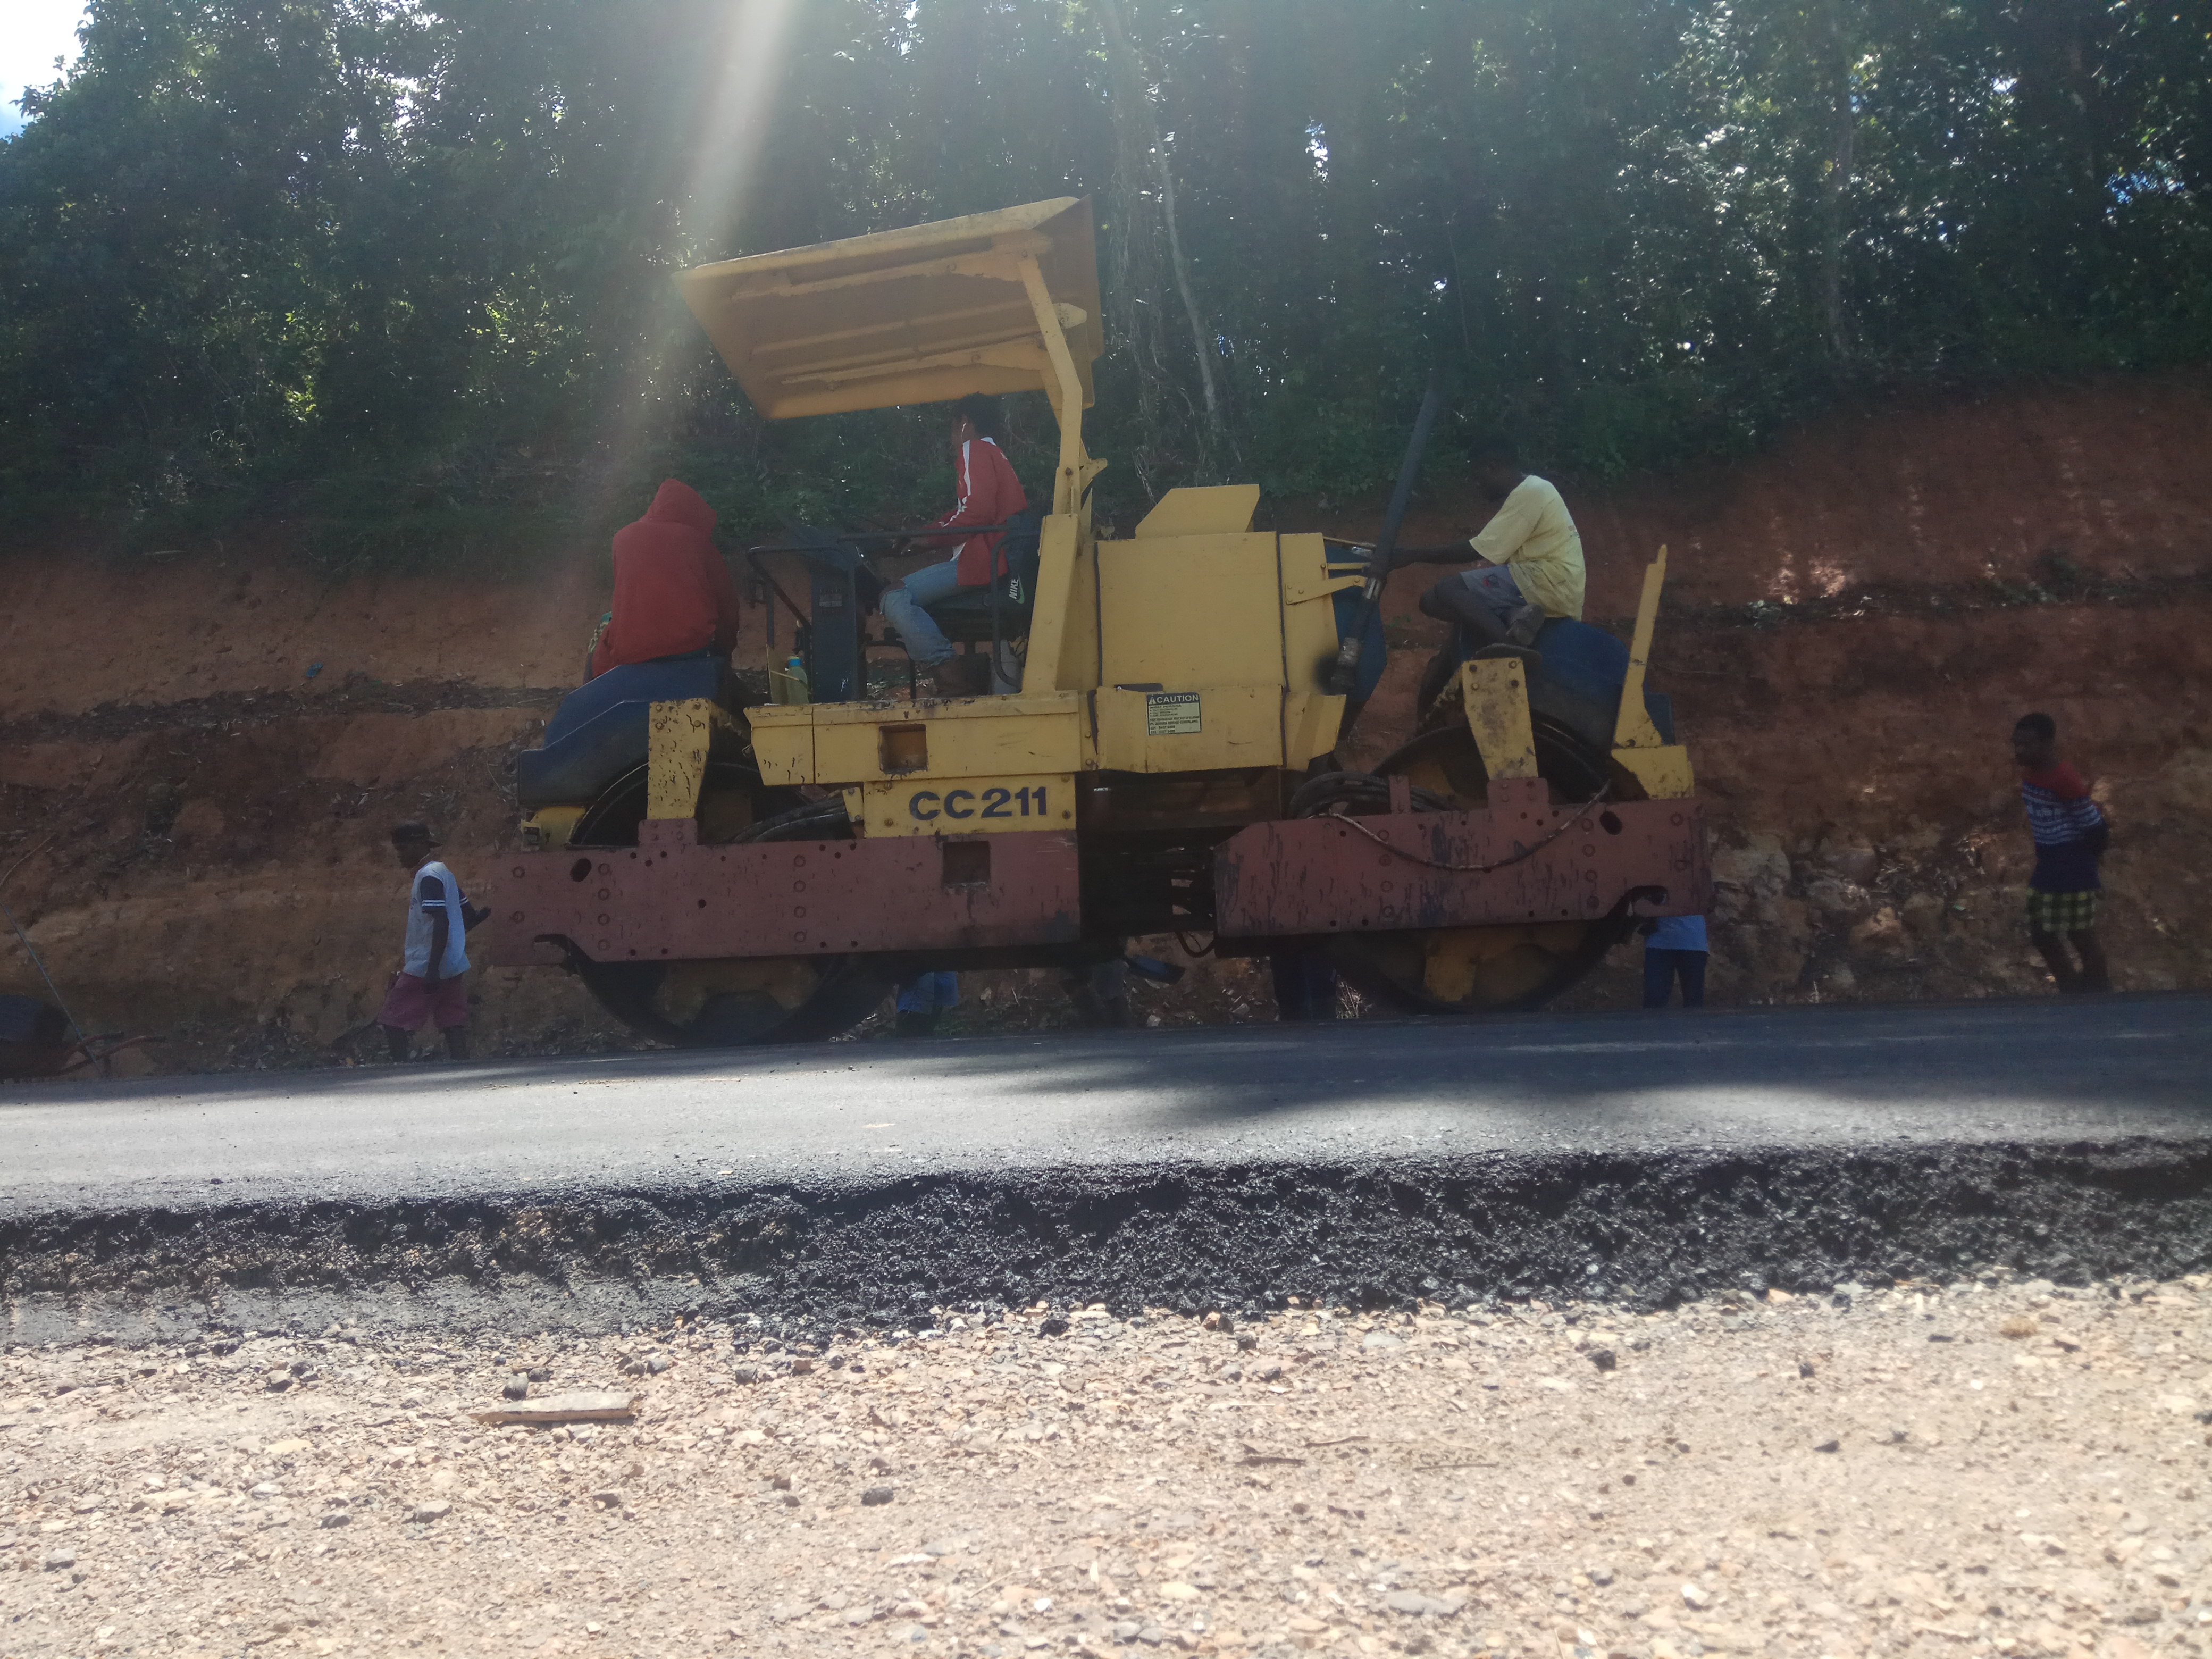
(999, 609)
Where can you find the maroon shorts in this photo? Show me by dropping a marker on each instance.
(410, 1002)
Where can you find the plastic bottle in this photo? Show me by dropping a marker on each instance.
(795, 676)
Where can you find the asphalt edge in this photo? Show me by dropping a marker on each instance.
(1645, 1228)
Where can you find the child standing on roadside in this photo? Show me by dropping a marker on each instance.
(2070, 836)
(1675, 948)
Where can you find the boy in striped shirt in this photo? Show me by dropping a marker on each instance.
(2070, 836)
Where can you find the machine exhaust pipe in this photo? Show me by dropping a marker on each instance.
(1344, 672)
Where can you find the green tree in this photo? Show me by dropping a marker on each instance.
(399, 272)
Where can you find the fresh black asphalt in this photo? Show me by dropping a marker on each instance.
(1637, 1155)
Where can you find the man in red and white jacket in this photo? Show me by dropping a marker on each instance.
(989, 494)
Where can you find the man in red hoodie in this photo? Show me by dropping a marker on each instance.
(989, 494)
(673, 596)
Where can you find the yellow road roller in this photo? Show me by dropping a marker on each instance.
(723, 868)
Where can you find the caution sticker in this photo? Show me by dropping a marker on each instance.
(1171, 714)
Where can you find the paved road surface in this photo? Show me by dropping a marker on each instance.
(2040, 1072)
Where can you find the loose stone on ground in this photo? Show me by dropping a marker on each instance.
(1800, 1476)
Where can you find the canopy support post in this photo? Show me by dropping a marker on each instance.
(1076, 468)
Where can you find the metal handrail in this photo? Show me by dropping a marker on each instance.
(926, 532)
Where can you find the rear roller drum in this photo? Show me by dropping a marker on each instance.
(733, 1001)
(737, 1001)
(1465, 970)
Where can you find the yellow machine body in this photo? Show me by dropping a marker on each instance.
(1196, 645)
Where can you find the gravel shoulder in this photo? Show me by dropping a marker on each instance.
(1992, 1466)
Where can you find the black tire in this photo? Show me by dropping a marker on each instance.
(612, 819)
(1587, 720)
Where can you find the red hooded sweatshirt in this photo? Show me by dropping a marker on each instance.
(989, 494)
(672, 591)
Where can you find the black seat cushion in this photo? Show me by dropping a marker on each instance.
(1580, 681)
(599, 732)
(967, 616)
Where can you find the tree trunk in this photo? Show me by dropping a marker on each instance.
(1132, 252)
(1835, 193)
(1199, 344)
(1138, 153)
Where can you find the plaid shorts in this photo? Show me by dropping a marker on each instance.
(2061, 913)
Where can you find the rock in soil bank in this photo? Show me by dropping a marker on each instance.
(2039, 1483)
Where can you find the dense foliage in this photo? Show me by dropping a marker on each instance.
(399, 269)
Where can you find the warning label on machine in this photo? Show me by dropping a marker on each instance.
(1171, 714)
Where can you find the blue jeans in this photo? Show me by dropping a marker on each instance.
(1662, 968)
(904, 608)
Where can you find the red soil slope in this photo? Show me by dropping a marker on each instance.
(1852, 623)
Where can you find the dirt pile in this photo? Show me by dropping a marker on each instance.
(199, 753)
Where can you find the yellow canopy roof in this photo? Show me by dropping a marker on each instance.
(914, 316)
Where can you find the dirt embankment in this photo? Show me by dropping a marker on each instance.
(199, 753)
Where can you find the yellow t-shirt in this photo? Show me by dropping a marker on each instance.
(1533, 535)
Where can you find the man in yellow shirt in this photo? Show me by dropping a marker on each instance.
(1531, 556)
